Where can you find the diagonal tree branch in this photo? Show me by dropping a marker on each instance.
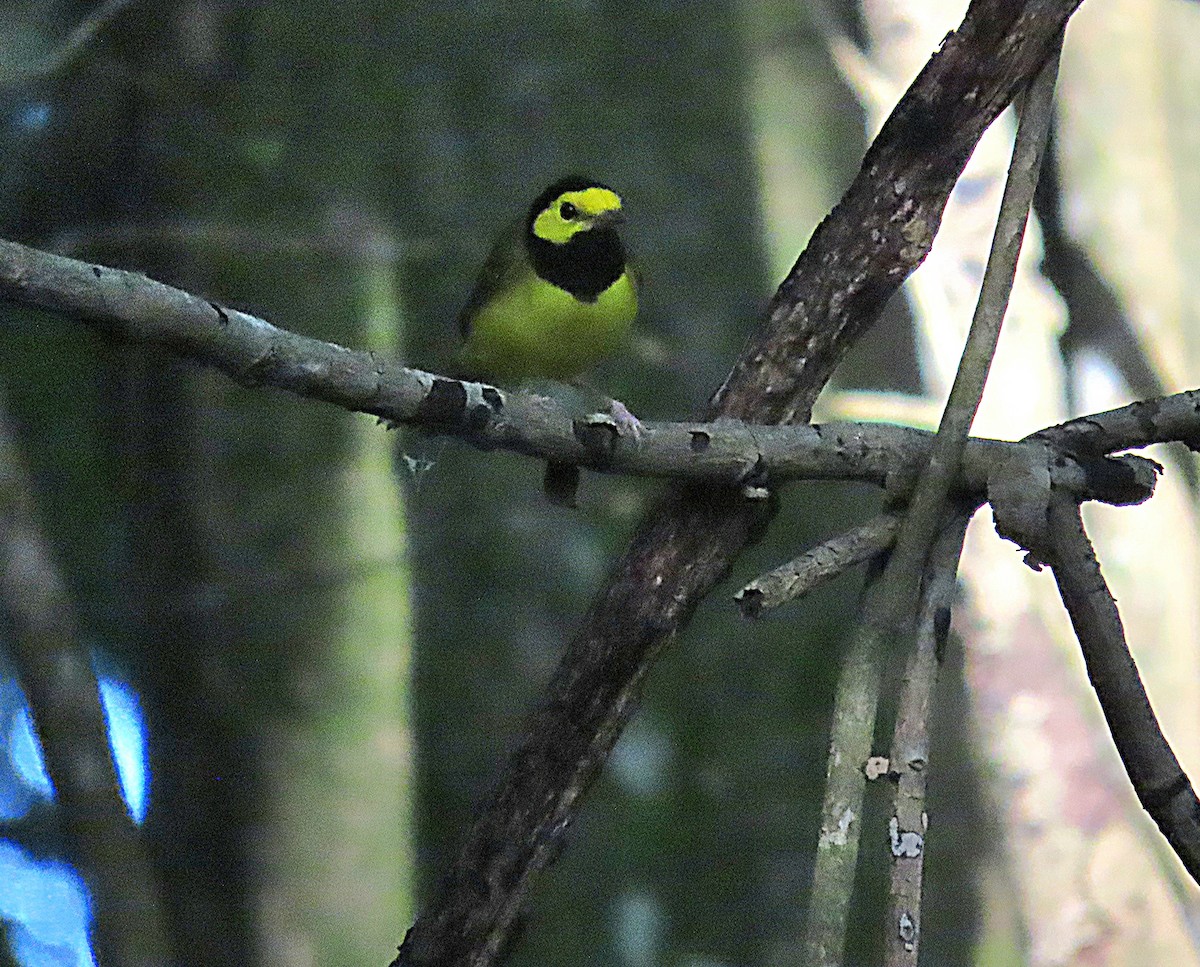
(879, 232)
(882, 229)
(884, 225)
(858, 257)
(852, 729)
(923, 517)
(56, 674)
(886, 623)
(819, 565)
(1162, 787)
(1163, 420)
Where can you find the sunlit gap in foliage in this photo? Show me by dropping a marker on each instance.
(45, 908)
(126, 739)
(44, 903)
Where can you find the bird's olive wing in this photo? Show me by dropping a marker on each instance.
(502, 269)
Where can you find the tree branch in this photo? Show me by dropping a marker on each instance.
(852, 729)
(855, 260)
(56, 674)
(924, 514)
(909, 757)
(890, 604)
(1162, 787)
(819, 565)
(1166, 419)
(254, 352)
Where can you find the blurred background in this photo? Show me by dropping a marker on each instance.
(316, 640)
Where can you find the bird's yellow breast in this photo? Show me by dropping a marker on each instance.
(534, 329)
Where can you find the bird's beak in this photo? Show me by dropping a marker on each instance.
(614, 216)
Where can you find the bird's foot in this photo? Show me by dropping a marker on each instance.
(627, 423)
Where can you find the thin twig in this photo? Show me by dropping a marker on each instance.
(888, 613)
(919, 527)
(855, 261)
(1162, 787)
(818, 565)
(55, 671)
(909, 758)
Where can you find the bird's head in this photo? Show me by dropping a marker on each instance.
(571, 206)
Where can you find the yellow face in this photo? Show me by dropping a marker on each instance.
(576, 211)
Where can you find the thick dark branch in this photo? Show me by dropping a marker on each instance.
(855, 261)
(1161, 785)
(858, 257)
(885, 224)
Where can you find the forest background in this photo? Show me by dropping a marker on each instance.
(325, 637)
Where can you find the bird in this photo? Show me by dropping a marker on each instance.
(557, 294)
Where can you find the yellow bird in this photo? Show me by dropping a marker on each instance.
(556, 294)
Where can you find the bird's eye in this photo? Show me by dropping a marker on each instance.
(568, 211)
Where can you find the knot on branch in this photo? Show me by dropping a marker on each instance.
(1022, 479)
(1122, 480)
(451, 403)
(1019, 490)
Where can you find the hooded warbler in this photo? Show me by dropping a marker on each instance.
(555, 295)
